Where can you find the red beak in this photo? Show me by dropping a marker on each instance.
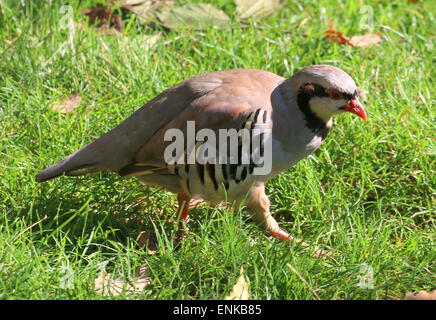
(353, 106)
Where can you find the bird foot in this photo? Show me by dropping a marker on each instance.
(194, 203)
(285, 237)
(180, 236)
(183, 229)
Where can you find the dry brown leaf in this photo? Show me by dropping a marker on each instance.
(103, 18)
(257, 8)
(362, 41)
(147, 239)
(240, 289)
(144, 9)
(68, 104)
(107, 286)
(336, 36)
(421, 295)
(365, 41)
(192, 15)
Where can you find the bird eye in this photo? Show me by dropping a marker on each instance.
(308, 87)
(334, 94)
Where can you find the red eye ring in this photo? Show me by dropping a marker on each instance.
(334, 94)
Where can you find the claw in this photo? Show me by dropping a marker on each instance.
(284, 236)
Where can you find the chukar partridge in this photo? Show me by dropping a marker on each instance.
(295, 113)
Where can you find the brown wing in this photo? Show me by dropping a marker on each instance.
(238, 93)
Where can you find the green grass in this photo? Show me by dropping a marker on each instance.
(367, 194)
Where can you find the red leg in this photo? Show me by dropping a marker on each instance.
(183, 216)
(284, 236)
(183, 211)
(258, 204)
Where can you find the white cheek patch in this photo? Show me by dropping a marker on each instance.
(325, 108)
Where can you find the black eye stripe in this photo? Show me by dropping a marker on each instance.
(319, 91)
(348, 96)
(314, 90)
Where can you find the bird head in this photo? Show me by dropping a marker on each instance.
(325, 91)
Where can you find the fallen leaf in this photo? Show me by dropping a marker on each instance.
(240, 289)
(147, 239)
(362, 41)
(257, 8)
(103, 18)
(144, 9)
(365, 41)
(105, 285)
(192, 15)
(68, 104)
(336, 36)
(421, 295)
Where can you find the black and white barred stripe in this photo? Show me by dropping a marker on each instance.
(215, 175)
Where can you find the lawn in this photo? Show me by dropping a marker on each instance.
(367, 193)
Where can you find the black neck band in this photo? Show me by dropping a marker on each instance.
(313, 122)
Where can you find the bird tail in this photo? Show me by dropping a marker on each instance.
(117, 148)
(76, 164)
(110, 152)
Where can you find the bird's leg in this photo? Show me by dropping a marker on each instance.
(182, 216)
(258, 204)
(183, 209)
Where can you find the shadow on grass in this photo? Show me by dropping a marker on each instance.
(98, 210)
